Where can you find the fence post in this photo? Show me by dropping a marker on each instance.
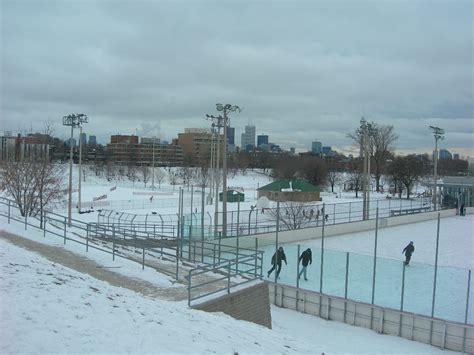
(214, 255)
(436, 269)
(113, 242)
(189, 239)
(228, 277)
(189, 288)
(402, 296)
(65, 230)
(238, 240)
(467, 298)
(26, 220)
(143, 257)
(350, 208)
(44, 224)
(467, 309)
(334, 214)
(9, 211)
(256, 257)
(276, 243)
(297, 270)
(322, 250)
(347, 277)
(375, 255)
(177, 260)
(87, 237)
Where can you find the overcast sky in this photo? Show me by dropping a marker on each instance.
(301, 71)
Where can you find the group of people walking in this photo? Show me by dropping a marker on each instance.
(306, 258)
(279, 256)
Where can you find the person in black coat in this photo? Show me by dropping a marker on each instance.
(408, 250)
(306, 258)
(277, 258)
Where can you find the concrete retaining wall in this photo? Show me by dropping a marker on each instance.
(251, 304)
(335, 229)
(437, 332)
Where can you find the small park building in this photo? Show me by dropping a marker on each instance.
(290, 190)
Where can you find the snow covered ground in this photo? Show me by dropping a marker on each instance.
(47, 308)
(34, 292)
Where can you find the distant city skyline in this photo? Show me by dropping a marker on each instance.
(298, 70)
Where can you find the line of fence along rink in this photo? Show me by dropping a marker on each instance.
(194, 222)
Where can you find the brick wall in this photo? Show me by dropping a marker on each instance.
(251, 304)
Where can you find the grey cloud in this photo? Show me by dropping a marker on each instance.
(301, 71)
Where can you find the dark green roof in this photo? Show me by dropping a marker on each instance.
(299, 185)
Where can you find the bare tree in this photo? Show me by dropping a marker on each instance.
(314, 170)
(286, 167)
(187, 174)
(381, 138)
(291, 214)
(407, 171)
(110, 170)
(32, 184)
(159, 176)
(333, 172)
(202, 176)
(356, 176)
(145, 171)
(132, 172)
(173, 177)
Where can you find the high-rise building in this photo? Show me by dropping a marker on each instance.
(316, 147)
(70, 141)
(92, 140)
(262, 139)
(83, 139)
(248, 138)
(150, 140)
(326, 150)
(230, 135)
(196, 144)
(118, 138)
(445, 154)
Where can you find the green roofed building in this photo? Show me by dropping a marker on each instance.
(290, 190)
(233, 196)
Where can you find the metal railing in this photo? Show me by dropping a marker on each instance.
(141, 246)
(224, 276)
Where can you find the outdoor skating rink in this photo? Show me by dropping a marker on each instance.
(455, 259)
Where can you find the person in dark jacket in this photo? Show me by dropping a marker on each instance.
(277, 258)
(305, 258)
(408, 250)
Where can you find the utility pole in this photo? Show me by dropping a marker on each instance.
(153, 164)
(73, 120)
(363, 128)
(80, 169)
(367, 132)
(438, 134)
(223, 121)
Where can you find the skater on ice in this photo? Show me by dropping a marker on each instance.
(305, 258)
(277, 258)
(408, 250)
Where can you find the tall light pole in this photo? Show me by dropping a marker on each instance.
(73, 120)
(226, 120)
(212, 175)
(153, 164)
(222, 121)
(216, 122)
(367, 131)
(438, 134)
(80, 171)
(363, 128)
